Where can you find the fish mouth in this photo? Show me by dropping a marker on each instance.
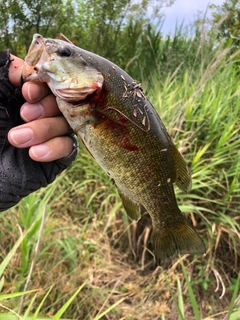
(31, 73)
(69, 79)
(76, 96)
(63, 89)
(36, 56)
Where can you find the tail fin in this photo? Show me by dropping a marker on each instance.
(177, 239)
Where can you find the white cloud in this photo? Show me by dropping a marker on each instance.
(185, 10)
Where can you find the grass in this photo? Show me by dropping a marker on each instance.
(93, 263)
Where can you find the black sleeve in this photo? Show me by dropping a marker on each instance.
(19, 174)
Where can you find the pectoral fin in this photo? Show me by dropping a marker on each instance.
(132, 208)
(183, 176)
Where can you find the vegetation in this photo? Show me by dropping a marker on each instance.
(72, 242)
(227, 18)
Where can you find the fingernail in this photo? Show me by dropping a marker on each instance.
(31, 112)
(34, 95)
(21, 136)
(40, 151)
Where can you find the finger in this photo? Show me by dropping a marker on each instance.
(38, 131)
(51, 150)
(15, 71)
(35, 91)
(46, 108)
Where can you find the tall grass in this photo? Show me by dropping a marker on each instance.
(93, 263)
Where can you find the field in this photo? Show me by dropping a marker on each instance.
(71, 251)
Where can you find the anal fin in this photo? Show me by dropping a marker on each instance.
(132, 208)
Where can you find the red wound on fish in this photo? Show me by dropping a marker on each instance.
(96, 85)
(124, 144)
(118, 128)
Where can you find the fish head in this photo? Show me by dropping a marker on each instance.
(61, 65)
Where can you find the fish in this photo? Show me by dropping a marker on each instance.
(109, 112)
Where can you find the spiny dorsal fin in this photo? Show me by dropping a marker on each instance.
(132, 208)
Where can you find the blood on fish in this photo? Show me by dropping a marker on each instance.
(96, 85)
(119, 131)
(124, 144)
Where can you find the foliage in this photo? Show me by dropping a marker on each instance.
(170, 54)
(226, 18)
(121, 31)
(24, 18)
(92, 262)
(93, 24)
(88, 239)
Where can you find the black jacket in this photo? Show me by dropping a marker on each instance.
(19, 174)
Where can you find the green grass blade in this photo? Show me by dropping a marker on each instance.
(235, 315)
(29, 308)
(9, 256)
(14, 295)
(67, 304)
(192, 298)
(9, 316)
(34, 317)
(109, 309)
(231, 315)
(179, 304)
(180, 301)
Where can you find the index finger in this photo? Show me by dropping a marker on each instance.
(35, 91)
(32, 92)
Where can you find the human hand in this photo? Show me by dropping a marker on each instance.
(37, 150)
(45, 128)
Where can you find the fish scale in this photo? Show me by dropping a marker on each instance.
(120, 128)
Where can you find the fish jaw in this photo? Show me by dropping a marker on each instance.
(36, 50)
(35, 58)
(68, 77)
(78, 117)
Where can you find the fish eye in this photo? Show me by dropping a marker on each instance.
(64, 52)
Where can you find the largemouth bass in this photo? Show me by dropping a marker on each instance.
(120, 128)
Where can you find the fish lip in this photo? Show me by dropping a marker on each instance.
(33, 73)
(79, 96)
(29, 78)
(33, 77)
(28, 73)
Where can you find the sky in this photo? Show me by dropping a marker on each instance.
(186, 10)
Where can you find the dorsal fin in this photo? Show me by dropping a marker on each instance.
(183, 176)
